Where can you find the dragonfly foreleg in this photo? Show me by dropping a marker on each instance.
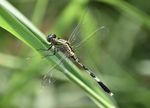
(52, 54)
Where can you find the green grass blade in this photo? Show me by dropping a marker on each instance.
(10, 61)
(69, 15)
(129, 9)
(23, 19)
(39, 12)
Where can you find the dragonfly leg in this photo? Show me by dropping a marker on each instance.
(46, 49)
(54, 52)
(50, 47)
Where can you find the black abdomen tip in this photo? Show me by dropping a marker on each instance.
(105, 88)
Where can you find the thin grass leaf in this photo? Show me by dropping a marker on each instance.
(39, 12)
(23, 19)
(10, 61)
(134, 12)
(70, 14)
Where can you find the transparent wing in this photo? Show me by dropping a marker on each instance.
(75, 32)
(89, 37)
(75, 37)
(46, 80)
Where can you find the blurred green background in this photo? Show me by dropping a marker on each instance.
(119, 53)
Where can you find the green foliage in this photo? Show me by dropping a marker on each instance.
(118, 53)
(27, 35)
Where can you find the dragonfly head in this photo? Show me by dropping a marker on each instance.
(51, 37)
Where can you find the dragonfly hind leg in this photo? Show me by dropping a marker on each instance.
(54, 51)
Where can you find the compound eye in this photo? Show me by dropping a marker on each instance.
(53, 35)
(50, 37)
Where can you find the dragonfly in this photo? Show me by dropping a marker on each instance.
(64, 46)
